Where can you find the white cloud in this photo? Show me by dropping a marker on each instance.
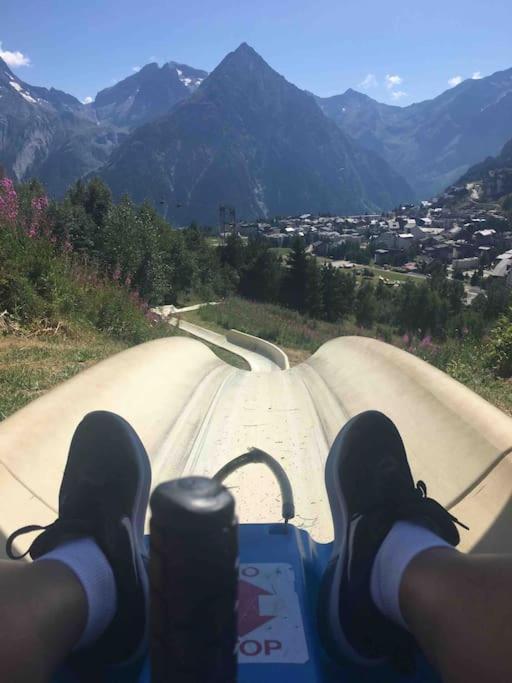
(14, 58)
(476, 75)
(455, 80)
(87, 100)
(135, 68)
(393, 81)
(398, 94)
(369, 81)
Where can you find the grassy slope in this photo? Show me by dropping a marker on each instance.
(300, 337)
(31, 365)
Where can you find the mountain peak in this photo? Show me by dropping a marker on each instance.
(243, 68)
(245, 47)
(245, 54)
(357, 96)
(251, 139)
(147, 94)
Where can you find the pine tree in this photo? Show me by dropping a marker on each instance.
(331, 294)
(296, 276)
(314, 298)
(261, 278)
(338, 293)
(366, 305)
(233, 252)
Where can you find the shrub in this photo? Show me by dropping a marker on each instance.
(18, 297)
(40, 281)
(499, 354)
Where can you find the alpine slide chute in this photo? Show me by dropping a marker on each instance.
(194, 413)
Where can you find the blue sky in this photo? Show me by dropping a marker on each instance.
(398, 51)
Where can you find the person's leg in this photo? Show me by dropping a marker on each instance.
(88, 587)
(44, 612)
(459, 608)
(382, 522)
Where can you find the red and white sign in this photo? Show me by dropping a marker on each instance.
(270, 629)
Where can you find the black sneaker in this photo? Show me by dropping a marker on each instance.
(104, 495)
(370, 487)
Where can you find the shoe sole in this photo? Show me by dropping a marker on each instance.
(99, 422)
(333, 637)
(137, 523)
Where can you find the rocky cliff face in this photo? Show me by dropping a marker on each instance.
(48, 134)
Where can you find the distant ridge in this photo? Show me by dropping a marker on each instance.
(431, 143)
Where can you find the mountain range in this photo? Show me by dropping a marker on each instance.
(431, 143)
(48, 134)
(250, 139)
(242, 135)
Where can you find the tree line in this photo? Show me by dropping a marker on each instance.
(136, 248)
(434, 306)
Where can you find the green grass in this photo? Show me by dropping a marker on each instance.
(466, 361)
(274, 323)
(31, 366)
(391, 275)
(388, 274)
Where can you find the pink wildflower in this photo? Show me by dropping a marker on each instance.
(8, 201)
(37, 222)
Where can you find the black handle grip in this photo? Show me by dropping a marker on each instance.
(193, 571)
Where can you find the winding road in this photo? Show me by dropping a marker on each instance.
(194, 413)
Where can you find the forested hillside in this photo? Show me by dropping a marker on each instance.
(89, 261)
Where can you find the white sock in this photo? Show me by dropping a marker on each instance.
(401, 545)
(92, 569)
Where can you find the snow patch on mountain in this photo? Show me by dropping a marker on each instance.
(189, 82)
(26, 96)
(259, 197)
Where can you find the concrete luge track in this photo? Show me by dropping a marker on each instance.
(194, 412)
